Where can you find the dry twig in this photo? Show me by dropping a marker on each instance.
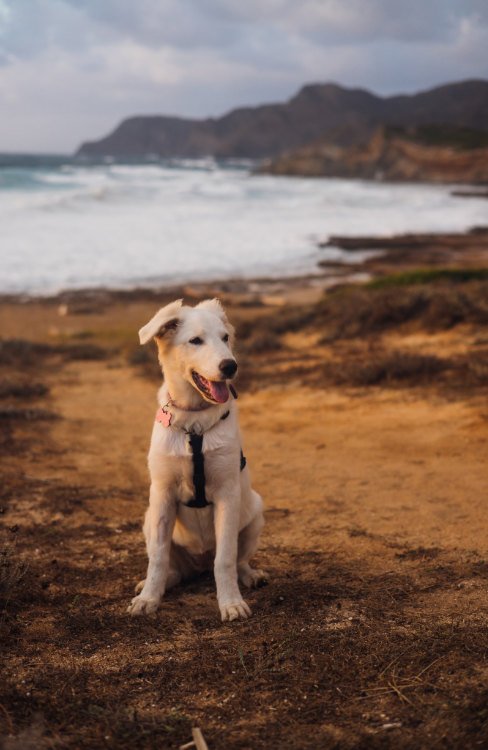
(198, 741)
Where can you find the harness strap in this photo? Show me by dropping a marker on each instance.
(199, 500)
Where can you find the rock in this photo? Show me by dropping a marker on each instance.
(434, 154)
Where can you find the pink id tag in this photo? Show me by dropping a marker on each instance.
(163, 417)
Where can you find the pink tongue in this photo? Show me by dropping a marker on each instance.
(219, 390)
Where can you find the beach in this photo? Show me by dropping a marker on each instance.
(362, 397)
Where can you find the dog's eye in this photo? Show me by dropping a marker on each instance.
(225, 337)
(196, 340)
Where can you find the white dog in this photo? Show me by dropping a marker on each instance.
(202, 509)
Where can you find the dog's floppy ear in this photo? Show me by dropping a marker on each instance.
(165, 319)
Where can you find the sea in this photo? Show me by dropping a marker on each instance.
(69, 224)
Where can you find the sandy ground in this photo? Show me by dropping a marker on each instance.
(372, 630)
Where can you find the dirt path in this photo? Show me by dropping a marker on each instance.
(372, 631)
(395, 466)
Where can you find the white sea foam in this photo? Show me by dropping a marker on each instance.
(118, 225)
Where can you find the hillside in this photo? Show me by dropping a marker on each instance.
(343, 116)
(430, 154)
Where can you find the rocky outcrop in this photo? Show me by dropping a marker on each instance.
(395, 155)
(343, 116)
(439, 252)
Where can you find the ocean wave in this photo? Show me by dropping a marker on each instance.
(119, 225)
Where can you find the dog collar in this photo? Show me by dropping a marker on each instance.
(164, 415)
(172, 402)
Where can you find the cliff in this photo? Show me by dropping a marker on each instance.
(429, 154)
(345, 117)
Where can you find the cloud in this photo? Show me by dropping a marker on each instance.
(33, 25)
(70, 69)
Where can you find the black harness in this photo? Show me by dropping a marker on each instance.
(199, 500)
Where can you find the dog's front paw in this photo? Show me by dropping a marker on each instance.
(142, 606)
(235, 611)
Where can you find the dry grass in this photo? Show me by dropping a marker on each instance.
(11, 413)
(386, 368)
(361, 311)
(428, 276)
(261, 342)
(474, 368)
(23, 353)
(22, 390)
(12, 575)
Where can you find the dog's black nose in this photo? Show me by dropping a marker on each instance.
(228, 367)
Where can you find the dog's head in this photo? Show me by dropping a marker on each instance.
(195, 343)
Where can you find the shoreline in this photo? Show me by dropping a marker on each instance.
(227, 286)
(382, 256)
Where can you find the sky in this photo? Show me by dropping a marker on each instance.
(70, 70)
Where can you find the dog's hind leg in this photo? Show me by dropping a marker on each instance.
(247, 545)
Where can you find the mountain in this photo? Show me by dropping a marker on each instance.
(425, 153)
(344, 116)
